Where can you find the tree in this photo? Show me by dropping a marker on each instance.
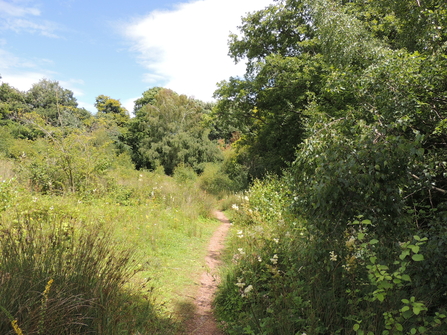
(371, 95)
(53, 102)
(12, 102)
(168, 132)
(284, 73)
(111, 109)
(147, 98)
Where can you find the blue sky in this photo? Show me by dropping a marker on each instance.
(120, 48)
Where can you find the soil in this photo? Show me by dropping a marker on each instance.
(202, 321)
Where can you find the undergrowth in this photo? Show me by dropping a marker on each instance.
(282, 279)
(101, 262)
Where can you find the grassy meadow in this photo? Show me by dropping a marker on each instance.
(120, 260)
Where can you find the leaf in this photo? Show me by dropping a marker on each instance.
(407, 314)
(406, 277)
(404, 254)
(356, 327)
(414, 248)
(380, 297)
(422, 329)
(417, 257)
(418, 308)
(373, 241)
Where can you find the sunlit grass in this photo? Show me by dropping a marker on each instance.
(163, 225)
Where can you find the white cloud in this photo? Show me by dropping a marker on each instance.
(22, 73)
(9, 9)
(15, 17)
(45, 28)
(188, 45)
(88, 106)
(129, 104)
(22, 81)
(72, 86)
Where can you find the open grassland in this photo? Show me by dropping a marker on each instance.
(116, 262)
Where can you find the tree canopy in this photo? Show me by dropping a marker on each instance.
(112, 109)
(347, 100)
(167, 131)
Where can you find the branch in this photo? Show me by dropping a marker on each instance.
(432, 187)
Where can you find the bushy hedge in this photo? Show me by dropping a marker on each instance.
(284, 278)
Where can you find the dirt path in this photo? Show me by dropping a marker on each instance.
(203, 321)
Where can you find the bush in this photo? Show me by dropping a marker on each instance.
(282, 278)
(214, 181)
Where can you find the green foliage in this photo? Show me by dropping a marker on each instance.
(222, 179)
(8, 192)
(268, 109)
(87, 273)
(347, 168)
(111, 110)
(184, 174)
(394, 23)
(265, 290)
(214, 181)
(55, 104)
(168, 133)
(70, 163)
(284, 73)
(108, 255)
(284, 279)
(12, 102)
(372, 143)
(148, 98)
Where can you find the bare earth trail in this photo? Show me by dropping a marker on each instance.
(203, 321)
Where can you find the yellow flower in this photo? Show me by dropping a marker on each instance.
(47, 288)
(17, 329)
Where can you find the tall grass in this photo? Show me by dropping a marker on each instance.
(86, 272)
(109, 254)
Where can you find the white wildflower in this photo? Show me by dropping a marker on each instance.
(248, 289)
(239, 283)
(274, 260)
(241, 251)
(235, 207)
(276, 240)
(333, 256)
(240, 234)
